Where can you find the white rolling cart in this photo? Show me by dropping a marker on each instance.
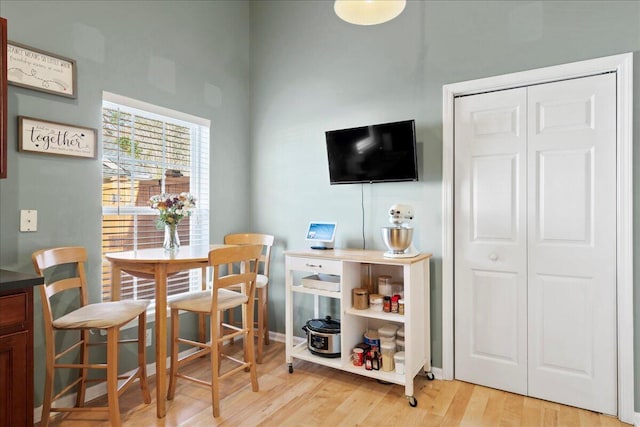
(348, 264)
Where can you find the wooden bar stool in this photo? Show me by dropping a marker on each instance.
(64, 273)
(262, 282)
(213, 303)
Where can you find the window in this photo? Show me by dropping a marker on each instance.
(148, 150)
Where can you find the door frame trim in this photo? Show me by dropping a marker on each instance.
(623, 66)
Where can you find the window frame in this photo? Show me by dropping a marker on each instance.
(199, 175)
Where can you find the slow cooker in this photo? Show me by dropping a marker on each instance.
(323, 337)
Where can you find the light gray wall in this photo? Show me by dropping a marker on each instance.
(312, 72)
(206, 48)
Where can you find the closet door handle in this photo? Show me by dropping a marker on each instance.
(493, 257)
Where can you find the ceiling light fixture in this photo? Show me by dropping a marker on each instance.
(368, 12)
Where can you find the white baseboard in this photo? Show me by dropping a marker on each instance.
(636, 419)
(276, 336)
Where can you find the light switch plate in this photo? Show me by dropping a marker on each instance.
(28, 220)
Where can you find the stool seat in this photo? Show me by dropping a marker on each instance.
(101, 315)
(200, 302)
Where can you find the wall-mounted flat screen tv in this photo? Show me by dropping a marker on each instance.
(369, 154)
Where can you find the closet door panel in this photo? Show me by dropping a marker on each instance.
(572, 242)
(490, 240)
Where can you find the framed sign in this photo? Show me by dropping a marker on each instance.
(36, 69)
(44, 137)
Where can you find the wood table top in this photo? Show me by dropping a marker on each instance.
(160, 255)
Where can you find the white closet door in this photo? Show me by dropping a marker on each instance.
(572, 242)
(490, 240)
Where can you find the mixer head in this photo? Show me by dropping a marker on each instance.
(401, 215)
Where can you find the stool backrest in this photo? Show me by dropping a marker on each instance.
(245, 259)
(266, 240)
(63, 270)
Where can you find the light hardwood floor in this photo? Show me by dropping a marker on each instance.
(317, 396)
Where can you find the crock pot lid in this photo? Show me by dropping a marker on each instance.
(327, 325)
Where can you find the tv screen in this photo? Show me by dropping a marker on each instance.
(378, 153)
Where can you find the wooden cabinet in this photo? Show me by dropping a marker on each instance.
(16, 348)
(13, 369)
(349, 265)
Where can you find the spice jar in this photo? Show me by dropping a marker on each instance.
(376, 360)
(368, 361)
(360, 299)
(401, 306)
(394, 303)
(386, 304)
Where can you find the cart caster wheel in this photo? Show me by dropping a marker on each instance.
(291, 368)
(412, 401)
(430, 376)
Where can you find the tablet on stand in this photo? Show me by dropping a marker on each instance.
(321, 234)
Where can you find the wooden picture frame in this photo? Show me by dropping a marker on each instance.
(40, 70)
(59, 139)
(3, 98)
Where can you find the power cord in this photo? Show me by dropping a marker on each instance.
(364, 242)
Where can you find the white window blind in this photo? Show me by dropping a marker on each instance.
(149, 150)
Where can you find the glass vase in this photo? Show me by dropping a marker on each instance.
(171, 239)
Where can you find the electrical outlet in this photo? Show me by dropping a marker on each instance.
(28, 220)
(149, 338)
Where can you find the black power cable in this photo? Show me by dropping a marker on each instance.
(364, 244)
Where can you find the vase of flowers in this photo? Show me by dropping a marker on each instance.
(172, 208)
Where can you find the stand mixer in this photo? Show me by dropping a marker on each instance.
(399, 236)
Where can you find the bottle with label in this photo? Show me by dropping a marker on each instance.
(368, 361)
(386, 304)
(375, 361)
(394, 303)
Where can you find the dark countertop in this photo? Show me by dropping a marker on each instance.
(14, 280)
